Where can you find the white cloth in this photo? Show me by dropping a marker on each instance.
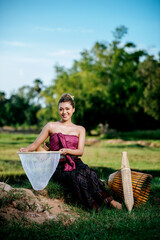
(39, 167)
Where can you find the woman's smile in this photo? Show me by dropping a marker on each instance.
(66, 110)
(65, 115)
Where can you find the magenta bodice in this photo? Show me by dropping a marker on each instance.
(58, 141)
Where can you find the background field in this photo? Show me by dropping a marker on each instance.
(105, 157)
(99, 153)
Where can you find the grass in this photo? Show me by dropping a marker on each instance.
(110, 155)
(135, 135)
(100, 155)
(140, 135)
(142, 223)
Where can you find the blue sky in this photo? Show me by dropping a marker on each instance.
(36, 35)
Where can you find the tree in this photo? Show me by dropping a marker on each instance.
(149, 74)
(32, 93)
(109, 86)
(22, 107)
(2, 108)
(104, 84)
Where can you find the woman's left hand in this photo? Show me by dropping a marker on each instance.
(23, 149)
(64, 151)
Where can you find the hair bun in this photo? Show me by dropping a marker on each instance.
(67, 97)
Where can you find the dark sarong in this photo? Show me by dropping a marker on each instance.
(90, 190)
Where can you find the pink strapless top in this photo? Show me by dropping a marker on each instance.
(58, 141)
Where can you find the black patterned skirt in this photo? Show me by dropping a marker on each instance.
(90, 190)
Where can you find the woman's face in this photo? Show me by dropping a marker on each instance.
(65, 110)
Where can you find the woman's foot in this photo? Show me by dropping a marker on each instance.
(116, 204)
(95, 206)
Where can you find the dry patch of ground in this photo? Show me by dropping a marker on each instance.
(140, 142)
(93, 141)
(23, 204)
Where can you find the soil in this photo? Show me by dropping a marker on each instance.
(140, 142)
(23, 204)
(93, 141)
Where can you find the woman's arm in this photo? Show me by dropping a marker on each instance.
(79, 151)
(40, 139)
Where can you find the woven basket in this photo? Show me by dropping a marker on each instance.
(141, 184)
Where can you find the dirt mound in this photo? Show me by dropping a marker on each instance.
(23, 204)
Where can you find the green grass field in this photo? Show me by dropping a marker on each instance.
(105, 158)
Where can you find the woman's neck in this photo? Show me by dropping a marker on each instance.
(66, 123)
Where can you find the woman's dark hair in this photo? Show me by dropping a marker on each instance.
(67, 98)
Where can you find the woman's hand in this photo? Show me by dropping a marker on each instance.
(63, 151)
(45, 146)
(40, 139)
(23, 150)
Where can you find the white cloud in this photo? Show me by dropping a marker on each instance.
(15, 44)
(67, 30)
(30, 59)
(65, 53)
(22, 71)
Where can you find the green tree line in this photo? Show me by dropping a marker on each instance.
(22, 107)
(112, 83)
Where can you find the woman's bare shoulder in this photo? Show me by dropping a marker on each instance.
(51, 125)
(80, 129)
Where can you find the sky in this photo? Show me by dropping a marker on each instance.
(36, 35)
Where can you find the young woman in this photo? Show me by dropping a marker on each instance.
(69, 139)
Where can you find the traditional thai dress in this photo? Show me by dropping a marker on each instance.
(90, 190)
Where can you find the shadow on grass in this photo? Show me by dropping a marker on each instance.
(16, 180)
(128, 146)
(11, 161)
(103, 172)
(136, 135)
(57, 189)
(9, 143)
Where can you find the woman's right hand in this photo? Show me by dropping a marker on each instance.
(23, 150)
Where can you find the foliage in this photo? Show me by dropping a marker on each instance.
(113, 83)
(21, 107)
(149, 73)
(2, 109)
